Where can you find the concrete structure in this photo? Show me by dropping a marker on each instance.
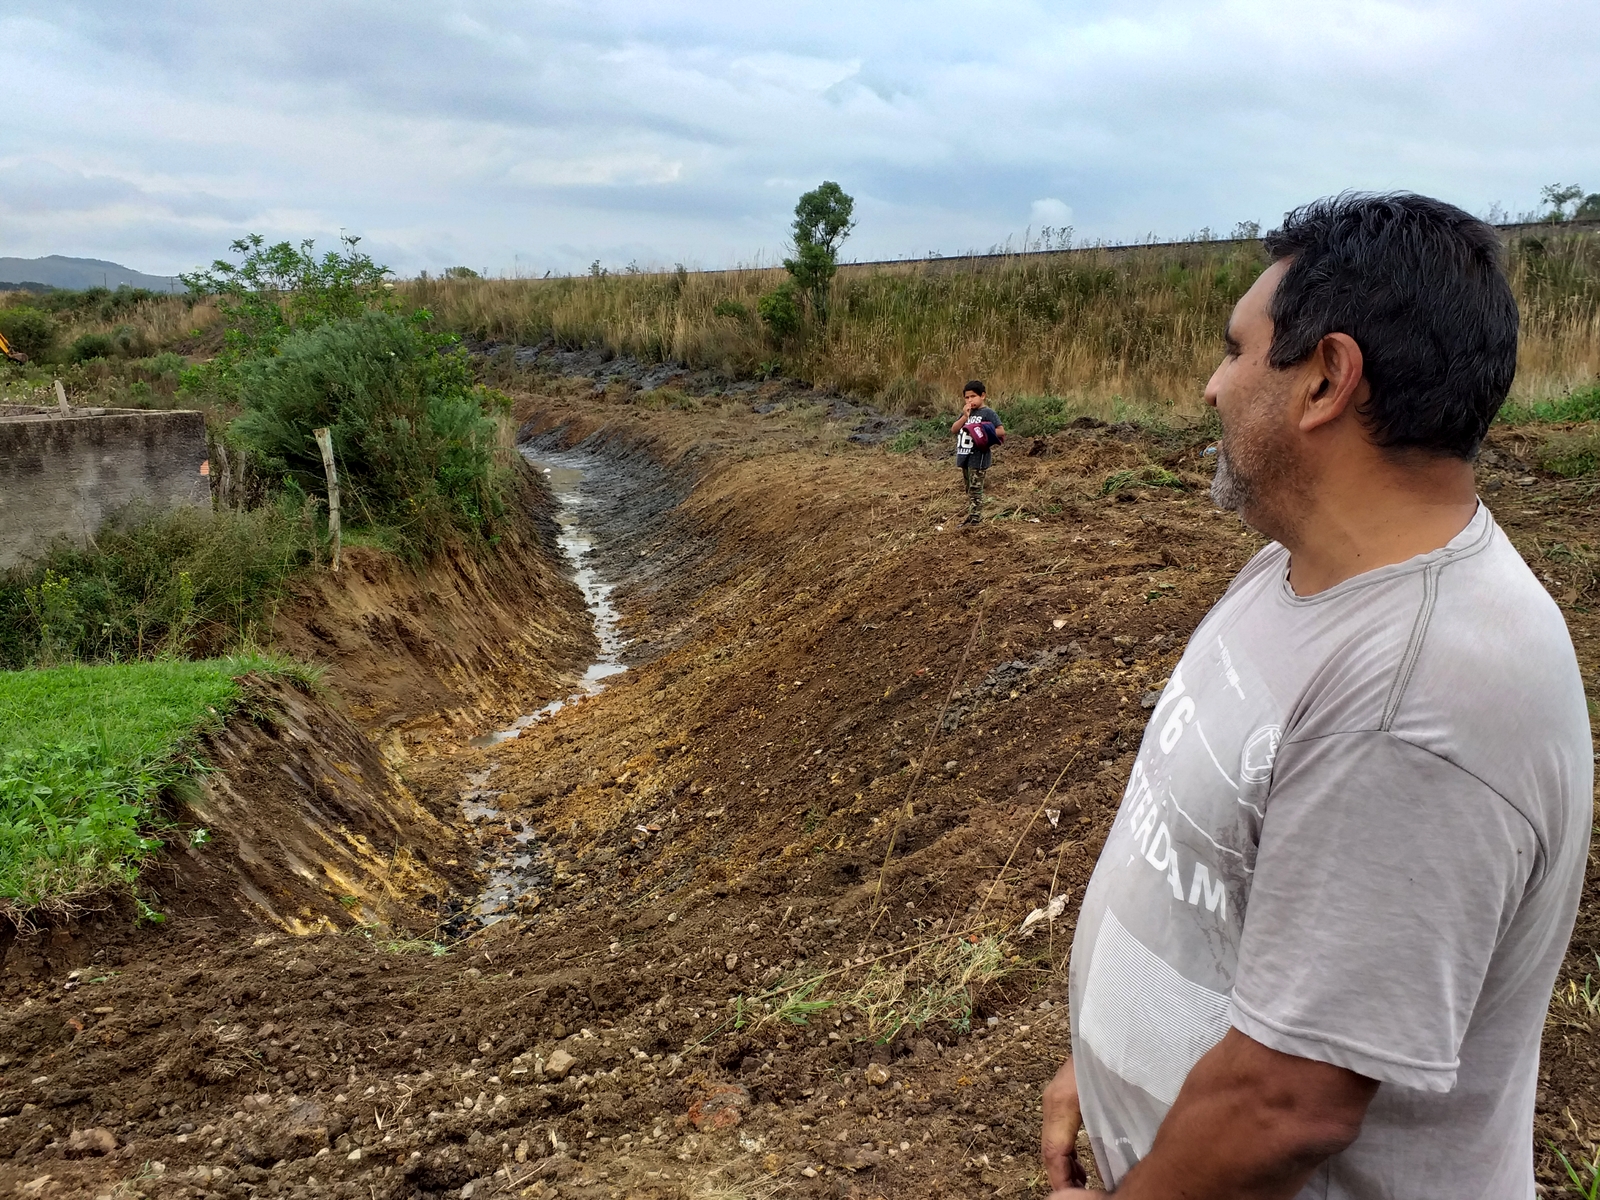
(62, 472)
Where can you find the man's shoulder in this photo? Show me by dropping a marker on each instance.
(1488, 607)
(1492, 682)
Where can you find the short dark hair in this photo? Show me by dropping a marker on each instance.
(975, 385)
(1421, 287)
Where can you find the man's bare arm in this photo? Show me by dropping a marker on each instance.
(1250, 1123)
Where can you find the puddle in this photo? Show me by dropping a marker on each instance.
(512, 858)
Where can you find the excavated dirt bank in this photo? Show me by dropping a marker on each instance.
(456, 645)
(311, 825)
(712, 828)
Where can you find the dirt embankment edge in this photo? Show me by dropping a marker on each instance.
(304, 817)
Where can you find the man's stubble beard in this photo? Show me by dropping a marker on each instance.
(1259, 477)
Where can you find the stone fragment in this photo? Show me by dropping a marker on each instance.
(877, 1074)
(722, 1107)
(91, 1141)
(559, 1064)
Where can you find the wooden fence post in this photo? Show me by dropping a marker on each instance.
(325, 444)
(223, 481)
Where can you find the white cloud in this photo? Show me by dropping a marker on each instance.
(1052, 212)
(537, 134)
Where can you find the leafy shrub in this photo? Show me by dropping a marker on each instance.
(173, 583)
(276, 290)
(87, 346)
(730, 308)
(166, 365)
(28, 330)
(96, 303)
(413, 436)
(780, 310)
(131, 341)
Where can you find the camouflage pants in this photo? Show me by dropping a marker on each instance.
(973, 478)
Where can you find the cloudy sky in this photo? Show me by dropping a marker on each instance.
(543, 134)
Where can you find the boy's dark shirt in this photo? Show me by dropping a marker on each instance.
(966, 456)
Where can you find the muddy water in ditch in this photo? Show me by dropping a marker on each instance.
(512, 860)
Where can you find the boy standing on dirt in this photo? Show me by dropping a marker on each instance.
(978, 431)
(1316, 954)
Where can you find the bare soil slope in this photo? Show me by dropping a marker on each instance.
(772, 942)
(457, 643)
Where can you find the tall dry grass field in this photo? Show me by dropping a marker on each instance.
(1556, 278)
(1098, 327)
(1143, 325)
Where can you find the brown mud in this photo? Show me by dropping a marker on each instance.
(854, 752)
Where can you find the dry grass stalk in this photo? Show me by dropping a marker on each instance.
(1141, 326)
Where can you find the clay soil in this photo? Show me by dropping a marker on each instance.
(770, 940)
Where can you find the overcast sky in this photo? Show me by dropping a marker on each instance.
(541, 135)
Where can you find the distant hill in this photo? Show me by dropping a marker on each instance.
(57, 270)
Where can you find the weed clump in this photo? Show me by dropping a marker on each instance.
(28, 330)
(414, 438)
(937, 983)
(176, 583)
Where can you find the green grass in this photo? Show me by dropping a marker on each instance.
(1580, 405)
(88, 753)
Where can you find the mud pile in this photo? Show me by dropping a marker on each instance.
(779, 869)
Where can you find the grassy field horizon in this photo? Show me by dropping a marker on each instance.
(1099, 328)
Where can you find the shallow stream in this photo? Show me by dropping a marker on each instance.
(511, 859)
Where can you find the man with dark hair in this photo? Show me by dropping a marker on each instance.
(1316, 954)
(978, 431)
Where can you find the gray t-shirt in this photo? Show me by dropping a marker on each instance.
(1356, 831)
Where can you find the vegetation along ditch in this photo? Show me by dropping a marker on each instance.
(771, 890)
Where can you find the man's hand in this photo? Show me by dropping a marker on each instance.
(1058, 1140)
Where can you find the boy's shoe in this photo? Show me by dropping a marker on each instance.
(973, 519)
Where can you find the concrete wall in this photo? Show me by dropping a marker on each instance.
(62, 474)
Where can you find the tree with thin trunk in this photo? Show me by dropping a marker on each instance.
(821, 223)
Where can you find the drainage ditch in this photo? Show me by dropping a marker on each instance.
(514, 866)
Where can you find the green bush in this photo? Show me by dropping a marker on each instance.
(87, 346)
(730, 308)
(780, 310)
(28, 330)
(413, 437)
(175, 583)
(276, 290)
(166, 365)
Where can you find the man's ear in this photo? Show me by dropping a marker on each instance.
(1334, 379)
